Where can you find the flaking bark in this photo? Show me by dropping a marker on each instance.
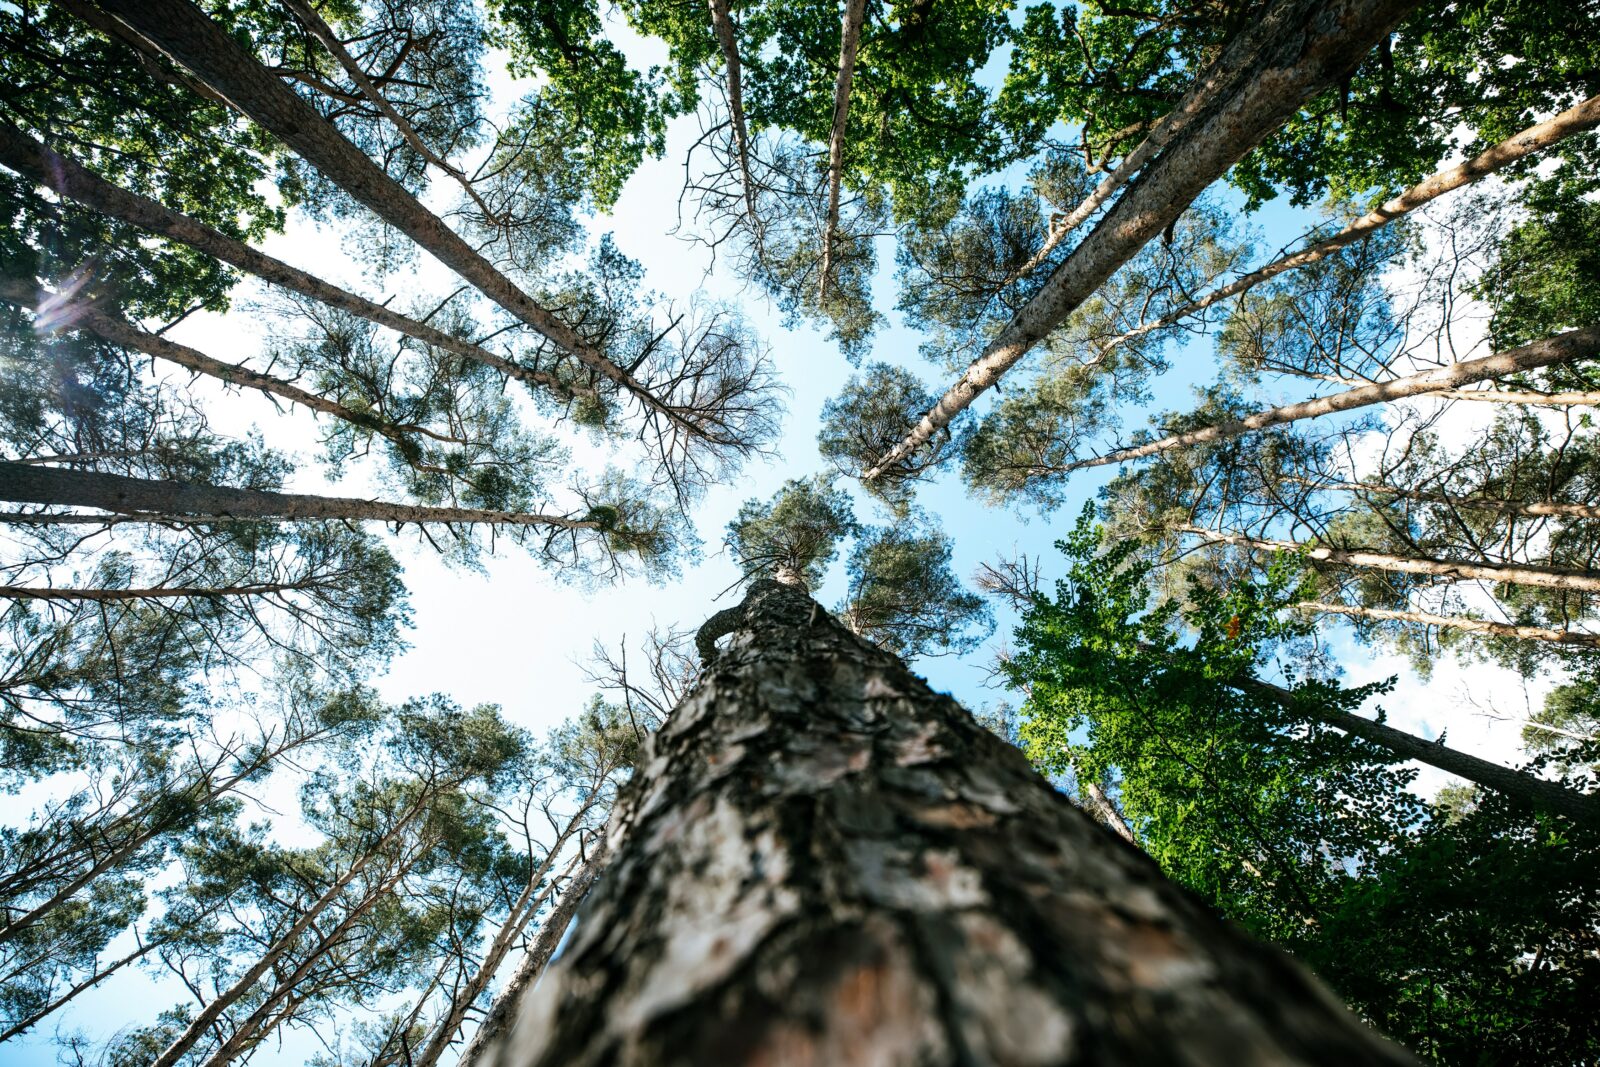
(821, 861)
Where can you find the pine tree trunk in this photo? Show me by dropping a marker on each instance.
(69, 179)
(1520, 786)
(1572, 638)
(855, 12)
(491, 1034)
(195, 41)
(1287, 54)
(1536, 138)
(1530, 509)
(722, 26)
(821, 861)
(1562, 348)
(29, 484)
(1511, 573)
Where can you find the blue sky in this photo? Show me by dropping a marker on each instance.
(516, 635)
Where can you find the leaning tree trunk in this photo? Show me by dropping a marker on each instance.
(27, 484)
(821, 861)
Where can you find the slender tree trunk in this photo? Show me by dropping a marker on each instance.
(722, 25)
(67, 178)
(488, 1040)
(1507, 396)
(527, 905)
(1562, 348)
(23, 1025)
(25, 483)
(1518, 785)
(174, 592)
(208, 1015)
(821, 861)
(1572, 638)
(1536, 138)
(120, 332)
(849, 40)
(1295, 49)
(1512, 573)
(1101, 805)
(1533, 509)
(319, 29)
(266, 1018)
(193, 40)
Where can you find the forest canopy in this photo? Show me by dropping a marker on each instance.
(351, 343)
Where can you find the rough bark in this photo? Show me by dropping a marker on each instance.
(1530, 509)
(1562, 348)
(821, 861)
(1455, 570)
(1536, 138)
(1572, 638)
(184, 33)
(1518, 785)
(1294, 50)
(69, 179)
(855, 12)
(490, 1035)
(25, 483)
(722, 25)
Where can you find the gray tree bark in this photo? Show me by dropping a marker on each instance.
(849, 40)
(1292, 51)
(821, 861)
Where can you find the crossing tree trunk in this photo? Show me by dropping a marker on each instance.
(1573, 638)
(821, 861)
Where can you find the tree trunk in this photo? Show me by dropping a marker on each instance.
(266, 1018)
(70, 179)
(1101, 805)
(1571, 638)
(855, 12)
(308, 17)
(1506, 396)
(174, 592)
(208, 1015)
(484, 1047)
(1512, 573)
(25, 483)
(1534, 139)
(1551, 351)
(1533, 509)
(821, 861)
(193, 40)
(120, 332)
(526, 906)
(1292, 51)
(722, 25)
(1518, 785)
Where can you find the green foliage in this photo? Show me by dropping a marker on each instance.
(797, 532)
(1546, 277)
(1464, 929)
(872, 414)
(904, 596)
(1236, 793)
